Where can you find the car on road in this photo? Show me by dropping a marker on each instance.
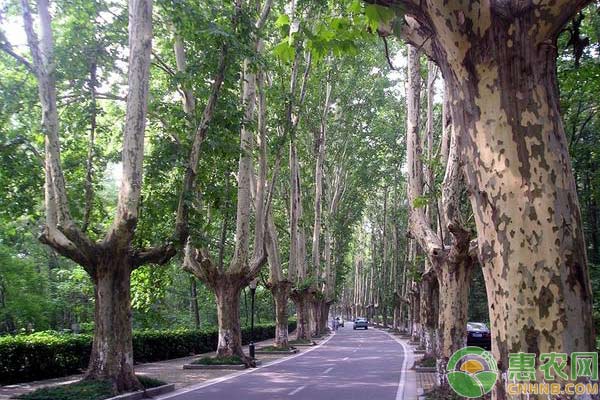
(360, 323)
(478, 334)
(340, 321)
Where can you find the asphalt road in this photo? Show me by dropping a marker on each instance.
(351, 365)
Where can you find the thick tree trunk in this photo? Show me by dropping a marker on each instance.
(112, 348)
(529, 226)
(325, 316)
(281, 294)
(429, 313)
(454, 283)
(228, 289)
(301, 301)
(316, 315)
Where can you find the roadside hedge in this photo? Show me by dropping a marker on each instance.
(45, 355)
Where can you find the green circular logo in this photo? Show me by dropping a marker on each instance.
(472, 372)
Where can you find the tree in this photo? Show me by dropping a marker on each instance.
(448, 257)
(227, 283)
(499, 62)
(109, 262)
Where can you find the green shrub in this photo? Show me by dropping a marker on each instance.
(45, 355)
(88, 390)
(233, 360)
(83, 390)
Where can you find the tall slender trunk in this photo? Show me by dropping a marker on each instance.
(112, 347)
(194, 302)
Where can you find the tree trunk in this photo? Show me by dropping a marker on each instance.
(300, 299)
(454, 283)
(194, 302)
(228, 289)
(112, 347)
(325, 316)
(428, 313)
(517, 165)
(281, 294)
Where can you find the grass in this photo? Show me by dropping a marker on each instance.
(83, 390)
(300, 341)
(233, 360)
(428, 362)
(273, 348)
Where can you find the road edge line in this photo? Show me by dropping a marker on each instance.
(400, 393)
(225, 378)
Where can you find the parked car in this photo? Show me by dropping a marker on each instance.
(340, 321)
(360, 323)
(478, 334)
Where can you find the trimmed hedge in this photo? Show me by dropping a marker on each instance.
(45, 355)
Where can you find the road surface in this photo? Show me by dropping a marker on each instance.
(351, 365)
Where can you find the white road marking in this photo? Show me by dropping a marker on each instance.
(345, 359)
(400, 394)
(293, 392)
(327, 370)
(235, 375)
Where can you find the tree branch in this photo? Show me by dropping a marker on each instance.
(156, 255)
(8, 49)
(140, 48)
(198, 263)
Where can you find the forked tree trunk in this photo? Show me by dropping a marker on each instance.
(281, 294)
(112, 348)
(228, 288)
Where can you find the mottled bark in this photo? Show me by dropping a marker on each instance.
(110, 261)
(112, 348)
(454, 280)
(500, 65)
(301, 299)
(281, 294)
(228, 289)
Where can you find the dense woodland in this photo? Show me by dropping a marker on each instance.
(313, 146)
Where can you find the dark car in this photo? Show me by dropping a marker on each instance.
(360, 323)
(478, 334)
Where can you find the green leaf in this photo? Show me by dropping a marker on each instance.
(420, 202)
(282, 20)
(284, 51)
(378, 15)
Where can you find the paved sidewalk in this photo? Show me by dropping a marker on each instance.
(170, 371)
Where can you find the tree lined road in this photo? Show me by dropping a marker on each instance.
(350, 365)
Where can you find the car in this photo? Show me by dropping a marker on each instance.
(478, 334)
(360, 323)
(340, 321)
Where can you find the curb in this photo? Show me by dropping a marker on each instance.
(234, 367)
(292, 351)
(142, 394)
(426, 369)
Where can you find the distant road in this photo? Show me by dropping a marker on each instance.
(352, 365)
